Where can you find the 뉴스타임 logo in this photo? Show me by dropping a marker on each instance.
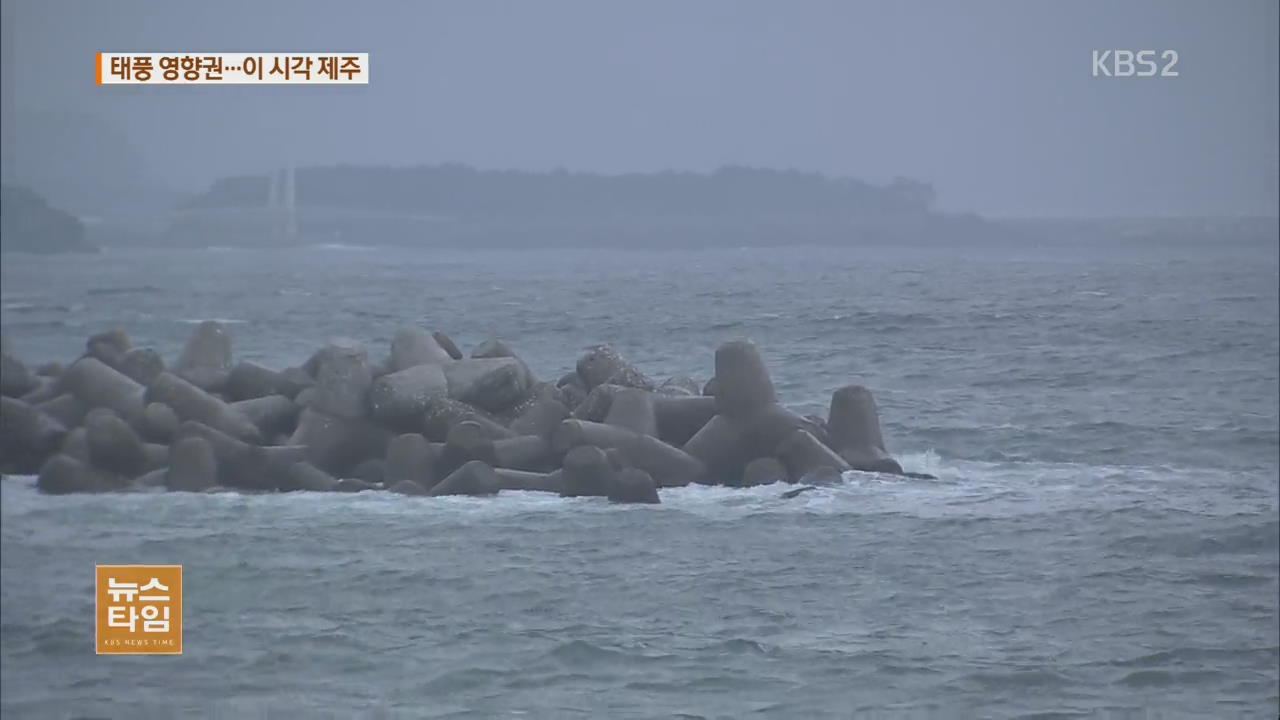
(139, 609)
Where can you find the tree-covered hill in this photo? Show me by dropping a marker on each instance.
(464, 192)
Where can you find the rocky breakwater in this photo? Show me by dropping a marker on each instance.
(423, 420)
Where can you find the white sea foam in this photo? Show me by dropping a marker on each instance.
(340, 246)
(224, 321)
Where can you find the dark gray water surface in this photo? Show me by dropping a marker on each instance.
(1101, 541)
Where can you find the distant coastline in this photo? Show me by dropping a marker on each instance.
(1249, 229)
(456, 206)
(459, 206)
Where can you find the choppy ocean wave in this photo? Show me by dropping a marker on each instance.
(1103, 538)
(341, 247)
(126, 290)
(25, 308)
(717, 593)
(223, 320)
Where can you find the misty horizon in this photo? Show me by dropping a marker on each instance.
(991, 104)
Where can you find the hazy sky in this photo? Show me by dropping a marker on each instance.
(994, 102)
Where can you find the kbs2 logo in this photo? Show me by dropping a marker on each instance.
(139, 609)
(1128, 63)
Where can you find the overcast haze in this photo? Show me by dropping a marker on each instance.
(993, 102)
